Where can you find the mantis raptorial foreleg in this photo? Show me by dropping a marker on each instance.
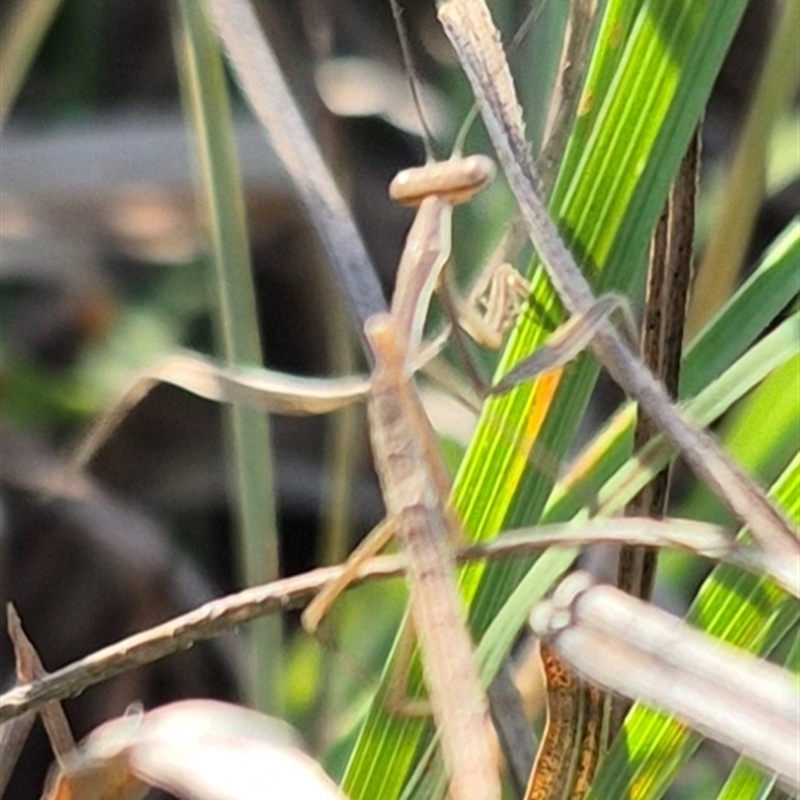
(498, 293)
(568, 341)
(434, 189)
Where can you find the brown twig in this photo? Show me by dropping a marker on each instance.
(30, 668)
(668, 280)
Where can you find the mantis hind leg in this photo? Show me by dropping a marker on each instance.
(373, 543)
(398, 701)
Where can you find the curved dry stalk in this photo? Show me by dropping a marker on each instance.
(262, 389)
(258, 72)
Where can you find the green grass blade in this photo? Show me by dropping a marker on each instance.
(773, 285)
(761, 449)
(203, 79)
(615, 29)
(747, 781)
(736, 214)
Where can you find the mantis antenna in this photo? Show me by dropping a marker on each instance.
(402, 34)
(408, 61)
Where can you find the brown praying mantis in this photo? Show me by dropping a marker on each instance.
(413, 478)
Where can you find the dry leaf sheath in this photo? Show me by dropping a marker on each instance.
(724, 693)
